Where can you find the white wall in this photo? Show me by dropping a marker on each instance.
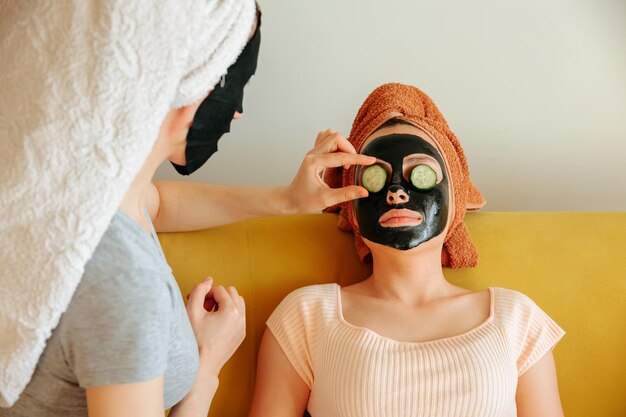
(535, 90)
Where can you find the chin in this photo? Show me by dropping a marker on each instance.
(179, 159)
(408, 249)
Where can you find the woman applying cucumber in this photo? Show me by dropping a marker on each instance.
(95, 96)
(405, 341)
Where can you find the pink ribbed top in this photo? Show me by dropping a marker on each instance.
(353, 371)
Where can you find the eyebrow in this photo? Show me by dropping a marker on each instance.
(418, 157)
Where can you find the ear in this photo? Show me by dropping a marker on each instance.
(182, 117)
(173, 132)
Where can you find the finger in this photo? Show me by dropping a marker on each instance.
(332, 160)
(322, 135)
(222, 297)
(238, 299)
(340, 195)
(200, 290)
(335, 142)
(242, 304)
(232, 291)
(332, 142)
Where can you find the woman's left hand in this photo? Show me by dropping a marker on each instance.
(218, 319)
(308, 193)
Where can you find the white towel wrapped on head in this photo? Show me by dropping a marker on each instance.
(84, 88)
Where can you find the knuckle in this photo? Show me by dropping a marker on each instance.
(333, 137)
(234, 314)
(311, 159)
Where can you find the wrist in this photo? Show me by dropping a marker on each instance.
(285, 204)
(209, 367)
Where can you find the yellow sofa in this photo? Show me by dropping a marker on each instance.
(572, 264)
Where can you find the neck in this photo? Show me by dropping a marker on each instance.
(134, 203)
(414, 276)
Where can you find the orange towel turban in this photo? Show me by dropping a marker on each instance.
(410, 104)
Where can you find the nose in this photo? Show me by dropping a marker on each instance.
(396, 195)
(237, 116)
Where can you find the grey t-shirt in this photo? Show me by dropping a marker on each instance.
(126, 323)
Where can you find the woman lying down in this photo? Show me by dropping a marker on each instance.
(405, 341)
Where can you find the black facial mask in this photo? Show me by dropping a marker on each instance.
(432, 204)
(213, 117)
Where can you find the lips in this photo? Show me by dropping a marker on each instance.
(400, 217)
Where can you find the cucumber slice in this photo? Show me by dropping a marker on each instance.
(423, 177)
(374, 178)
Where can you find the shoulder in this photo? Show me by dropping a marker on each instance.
(530, 331)
(125, 246)
(307, 306)
(126, 264)
(507, 302)
(313, 299)
(139, 291)
(514, 310)
(126, 276)
(317, 294)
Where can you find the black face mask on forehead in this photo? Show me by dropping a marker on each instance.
(213, 117)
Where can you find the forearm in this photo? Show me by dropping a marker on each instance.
(193, 206)
(198, 400)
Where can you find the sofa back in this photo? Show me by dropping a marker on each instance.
(573, 265)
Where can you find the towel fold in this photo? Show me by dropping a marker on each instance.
(412, 105)
(85, 87)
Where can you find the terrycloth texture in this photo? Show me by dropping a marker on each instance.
(85, 87)
(408, 103)
(353, 371)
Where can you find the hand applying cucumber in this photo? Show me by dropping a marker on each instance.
(308, 192)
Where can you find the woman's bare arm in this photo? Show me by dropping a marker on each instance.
(176, 206)
(136, 399)
(146, 399)
(279, 390)
(538, 391)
